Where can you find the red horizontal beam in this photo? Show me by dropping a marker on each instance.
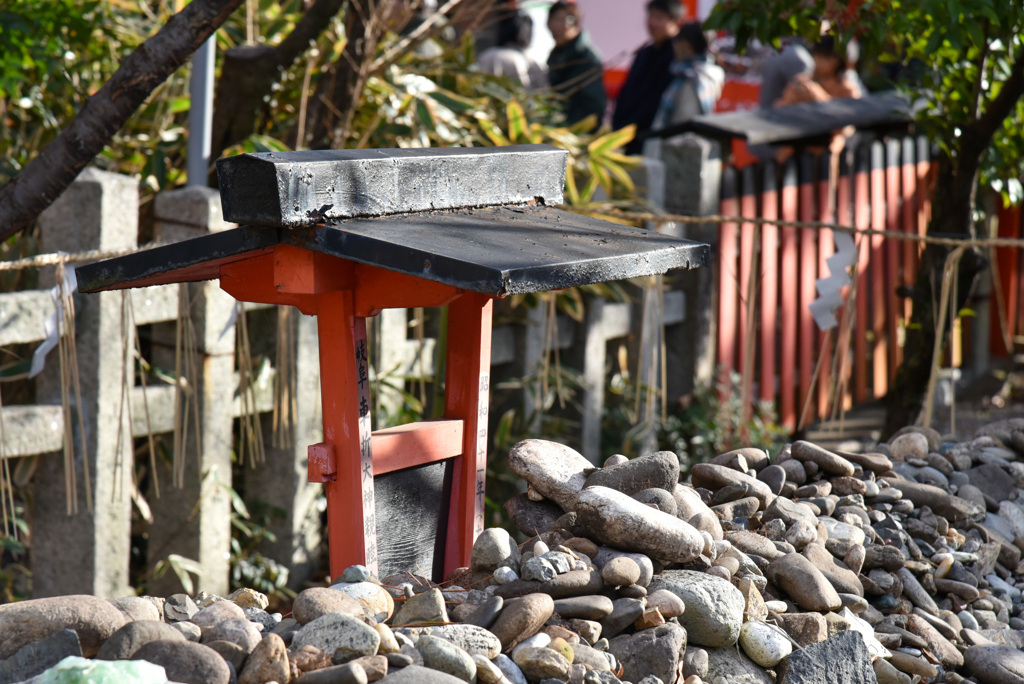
(406, 446)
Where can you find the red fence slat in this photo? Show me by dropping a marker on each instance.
(789, 301)
(728, 300)
(748, 209)
(892, 254)
(769, 281)
(861, 220)
(879, 359)
(826, 248)
(808, 270)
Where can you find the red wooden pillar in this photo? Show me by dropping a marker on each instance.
(879, 353)
(728, 296)
(808, 273)
(467, 384)
(788, 268)
(344, 390)
(748, 209)
(893, 173)
(769, 280)
(909, 200)
(826, 248)
(861, 219)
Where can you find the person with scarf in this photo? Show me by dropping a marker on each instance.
(696, 81)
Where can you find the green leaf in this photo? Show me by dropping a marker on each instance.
(516, 121)
(612, 141)
(454, 102)
(570, 184)
(492, 132)
(504, 428)
(426, 116)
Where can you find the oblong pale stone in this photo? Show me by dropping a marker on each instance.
(621, 521)
(555, 470)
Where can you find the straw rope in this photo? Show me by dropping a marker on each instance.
(55, 258)
(959, 245)
(814, 225)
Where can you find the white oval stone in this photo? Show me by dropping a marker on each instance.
(764, 645)
(841, 530)
(776, 606)
(374, 598)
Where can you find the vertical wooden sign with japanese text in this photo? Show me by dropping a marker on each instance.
(365, 442)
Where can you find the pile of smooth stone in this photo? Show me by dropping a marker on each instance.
(898, 566)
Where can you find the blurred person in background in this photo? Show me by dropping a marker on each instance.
(649, 75)
(696, 81)
(781, 68)
(508, 59)
(828, 78)
(827, 81)
(574, 66)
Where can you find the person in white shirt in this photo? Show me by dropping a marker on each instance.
(508, 59)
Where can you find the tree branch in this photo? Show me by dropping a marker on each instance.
(977, 90)
(978, 135)
(249, 72)
(49, 174)
(339, 86)
(417, 36)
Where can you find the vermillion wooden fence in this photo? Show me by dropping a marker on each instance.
(767, 274)
(1007, 265)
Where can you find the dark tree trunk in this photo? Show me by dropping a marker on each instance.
(332, 107)
(249, 73)
(953, 201)
(49, 174)
(952, 209)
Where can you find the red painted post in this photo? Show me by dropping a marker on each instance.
(861, 218)
(808, 275)
(789, 301)
(844, 214)
(769, 280)
(892, 254)
(467, 384)
(826, 248)
(748, 209)
(909, 221)
(344, 390)
(879, 356)
(728, 299)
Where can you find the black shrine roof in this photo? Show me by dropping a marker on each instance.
(496, 251)
(414, 213)
(807, 121)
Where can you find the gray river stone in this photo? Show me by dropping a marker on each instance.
(621, 521)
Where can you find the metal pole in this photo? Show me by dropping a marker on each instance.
(200, 116)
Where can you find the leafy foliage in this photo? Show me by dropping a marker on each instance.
(955, 56)
(52, 54)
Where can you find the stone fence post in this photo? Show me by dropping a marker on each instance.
(693, 176)
(194, 521)
(88, 552)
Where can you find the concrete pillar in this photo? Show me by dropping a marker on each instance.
(87, 553)
(592, 363)
(281, 483)
(693, 174)
(530, 362)
(195, 521)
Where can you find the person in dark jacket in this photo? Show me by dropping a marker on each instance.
(574, 66)
(649, 75)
